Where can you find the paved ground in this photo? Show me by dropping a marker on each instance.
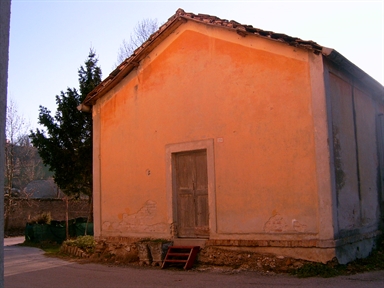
(28, 267)
(13, 240)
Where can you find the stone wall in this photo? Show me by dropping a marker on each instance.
(22, 210)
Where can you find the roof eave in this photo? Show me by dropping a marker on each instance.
(346, 65)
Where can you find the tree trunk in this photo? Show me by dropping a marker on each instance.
(66, 219)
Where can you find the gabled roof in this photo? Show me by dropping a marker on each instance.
(43, 189)
(181, 17)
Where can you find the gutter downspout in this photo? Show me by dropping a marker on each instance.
(84, 108)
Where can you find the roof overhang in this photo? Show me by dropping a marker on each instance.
(181, 17)
(347, 66)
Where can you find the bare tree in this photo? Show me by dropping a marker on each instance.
(141, 32)
(29, 164)
(16, 128)
(22, 161)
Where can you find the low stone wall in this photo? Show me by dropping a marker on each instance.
(74, 251)
(22, 210)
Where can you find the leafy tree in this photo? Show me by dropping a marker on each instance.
(66, 143)
(140, 34)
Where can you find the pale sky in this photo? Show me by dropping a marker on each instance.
(51, 39)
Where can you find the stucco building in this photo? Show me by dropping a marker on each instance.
(231, 136)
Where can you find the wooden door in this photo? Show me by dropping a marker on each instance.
(192, 194)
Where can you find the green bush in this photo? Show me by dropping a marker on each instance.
(85, 243)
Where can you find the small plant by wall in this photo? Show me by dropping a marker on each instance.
(43, 218)
(85, 243)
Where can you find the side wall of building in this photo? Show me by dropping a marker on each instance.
(354, 124)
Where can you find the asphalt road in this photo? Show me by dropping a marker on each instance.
(28, 267)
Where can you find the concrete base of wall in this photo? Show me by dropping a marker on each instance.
(189, 242)
(344, 249)
(313, 254)
(357, 250)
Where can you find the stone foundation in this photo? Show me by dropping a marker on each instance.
(116, 250)
(345, 249)
(247, 260)
(273, 255)
(124, 250)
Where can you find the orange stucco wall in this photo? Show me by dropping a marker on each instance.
(251, 96)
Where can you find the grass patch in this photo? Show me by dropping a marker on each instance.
(86, 243)
(373, 262)
(50, 248)
(319, 270)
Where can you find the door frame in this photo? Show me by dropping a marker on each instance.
(170, 151)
